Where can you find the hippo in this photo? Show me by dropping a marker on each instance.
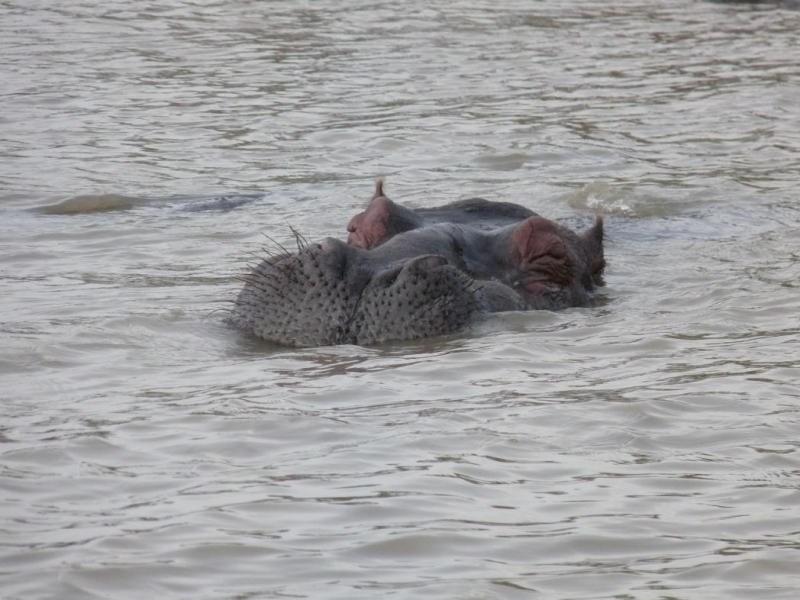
(406, 274)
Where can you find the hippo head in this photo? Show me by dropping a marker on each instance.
(328, 294)
(406, 274)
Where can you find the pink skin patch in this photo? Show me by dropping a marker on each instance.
(368, 229)
(539, 251)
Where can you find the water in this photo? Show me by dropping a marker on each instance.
(643, 448)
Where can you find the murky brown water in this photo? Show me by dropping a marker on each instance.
(645, 448)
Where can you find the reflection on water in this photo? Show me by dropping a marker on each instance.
(90, 203)
(645, 446)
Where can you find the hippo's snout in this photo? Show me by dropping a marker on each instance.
(421, 297)
(325, 295)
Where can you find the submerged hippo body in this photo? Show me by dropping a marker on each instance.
(406, 274)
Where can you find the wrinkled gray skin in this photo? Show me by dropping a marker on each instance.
(383, 219)
(407, 274)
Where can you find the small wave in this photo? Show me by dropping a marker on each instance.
(90, 203)
(502, 162)
(605, 198)
(222, 203)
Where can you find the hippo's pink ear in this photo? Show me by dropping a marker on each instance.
(538, 247)
(532, 238)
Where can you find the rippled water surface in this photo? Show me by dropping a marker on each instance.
(647, 447)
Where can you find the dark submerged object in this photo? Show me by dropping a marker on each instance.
(406, 274)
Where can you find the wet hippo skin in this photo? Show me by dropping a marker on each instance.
(406, 274)
(383, 218)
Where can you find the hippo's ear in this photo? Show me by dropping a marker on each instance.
(531, 239)
(593, 238)
(379, 181)
(538, 246)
